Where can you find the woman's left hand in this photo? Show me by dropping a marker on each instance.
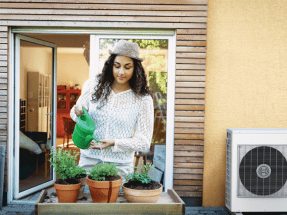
(105, 143)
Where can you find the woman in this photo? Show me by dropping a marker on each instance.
(121, 106)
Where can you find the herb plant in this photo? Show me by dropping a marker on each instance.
(80, 171)
(101, 170)
(65, 163)
(142, 177)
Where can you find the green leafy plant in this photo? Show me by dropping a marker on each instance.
(142, 177)
(80, 171)
(65, 163)
(101, 170)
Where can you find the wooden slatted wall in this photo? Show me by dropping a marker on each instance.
(187, 17)
(3, 92)
(189, 111)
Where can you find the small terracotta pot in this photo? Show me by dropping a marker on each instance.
(67, 193)
(104, 191)
(82, 189)
(142, 196)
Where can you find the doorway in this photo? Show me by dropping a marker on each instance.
(74, 68)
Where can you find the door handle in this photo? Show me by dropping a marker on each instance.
(49, 114)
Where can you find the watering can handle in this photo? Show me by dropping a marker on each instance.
(87, 114)
(85, 111)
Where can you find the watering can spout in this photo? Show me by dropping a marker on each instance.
(89, 138)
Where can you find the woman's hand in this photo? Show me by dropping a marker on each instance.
(105, 143)
(79, 109)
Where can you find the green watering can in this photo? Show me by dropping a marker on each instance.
(84, 130)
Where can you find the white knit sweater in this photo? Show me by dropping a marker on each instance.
(121, 115)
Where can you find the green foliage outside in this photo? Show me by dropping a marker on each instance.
(150, 44)
(101, 170)
(158, 83)
(155, 65)
(144, 44)
(142, 177)
(65, 163)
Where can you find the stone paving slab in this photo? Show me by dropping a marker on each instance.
(18, 209)
(206, 210)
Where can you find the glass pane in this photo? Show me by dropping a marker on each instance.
(73, 69)
(35, 123)
(74, 95)
(61, 99)
(155, 65)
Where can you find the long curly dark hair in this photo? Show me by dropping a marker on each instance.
(138, 81)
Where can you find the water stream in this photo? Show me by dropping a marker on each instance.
(101, 152)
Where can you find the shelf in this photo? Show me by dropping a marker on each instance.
(74, 93)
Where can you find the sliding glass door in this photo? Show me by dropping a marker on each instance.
(160, 72)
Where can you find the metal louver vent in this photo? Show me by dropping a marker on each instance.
(262, 171)
(228, 171)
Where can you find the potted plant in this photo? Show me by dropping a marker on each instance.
(140, 187)
(104, 182)
(65, 164)
(81, 174)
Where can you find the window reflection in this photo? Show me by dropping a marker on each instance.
(35, 122)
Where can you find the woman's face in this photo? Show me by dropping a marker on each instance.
(123, 69)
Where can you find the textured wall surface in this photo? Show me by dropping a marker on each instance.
(246, 79)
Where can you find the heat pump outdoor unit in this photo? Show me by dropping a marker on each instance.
(256, 170)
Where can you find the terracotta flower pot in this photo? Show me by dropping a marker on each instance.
(104, 191)
(82, 189)
(142, 196)
(67, 193)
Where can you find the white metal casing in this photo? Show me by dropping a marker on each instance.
(262, 137)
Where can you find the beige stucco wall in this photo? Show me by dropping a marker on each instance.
(33, 59)
(246, 74)
(72, 67)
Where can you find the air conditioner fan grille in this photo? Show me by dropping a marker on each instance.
(262, 171)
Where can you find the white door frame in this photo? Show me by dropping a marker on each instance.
(161, 33)
(94, 70)
(13, 135)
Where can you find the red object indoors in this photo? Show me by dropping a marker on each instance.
(66, 99)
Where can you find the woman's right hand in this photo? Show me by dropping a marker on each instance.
(78, 109)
